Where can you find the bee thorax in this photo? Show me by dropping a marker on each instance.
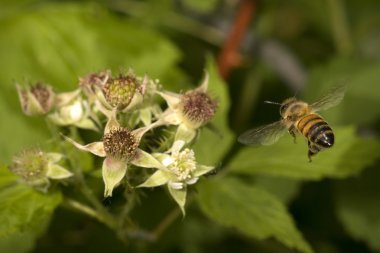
(294, 110)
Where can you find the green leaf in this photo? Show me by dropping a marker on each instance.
(222, 137)
(251, 210)
(358, 207)
(24, 214)
(6, 178)
(285, 189)
(360, 104)
(349, 155)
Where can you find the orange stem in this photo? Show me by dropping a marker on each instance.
(229, 55)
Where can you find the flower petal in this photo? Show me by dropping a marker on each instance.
(146, 160)
(97, 148)
(162, 158)
(202, 169)
(176, 185)
(56, 171)
(177, 146)
(192, 180)
(179, 195)
(156, 179)
(113, 172)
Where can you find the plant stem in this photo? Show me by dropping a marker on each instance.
(107, 218)
(165, 223)
(124, 213)
(229, 55)
(168, 220)
(82, 208)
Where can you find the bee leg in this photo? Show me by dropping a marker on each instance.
(309, 155)
(313, 150)
(292, 130)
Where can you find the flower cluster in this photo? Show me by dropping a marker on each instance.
(124, 108)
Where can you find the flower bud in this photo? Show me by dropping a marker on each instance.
(35, 167)
(72, 109)
(197, 108)
(37, 99)
(31, 166)
(120, 91)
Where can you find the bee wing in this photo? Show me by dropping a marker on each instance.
(264, 135)
(333, 97)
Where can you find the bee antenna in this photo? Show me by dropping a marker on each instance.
(271, 102)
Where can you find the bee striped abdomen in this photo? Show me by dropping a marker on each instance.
(317, 131)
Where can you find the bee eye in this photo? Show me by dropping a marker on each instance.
(284, 107)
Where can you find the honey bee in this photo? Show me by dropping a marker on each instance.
(298, 116)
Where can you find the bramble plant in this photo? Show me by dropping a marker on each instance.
(100, 103)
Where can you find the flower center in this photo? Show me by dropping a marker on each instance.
(30, 165)
(120, 91)
(198, 107)
(120, 143)
(182, 164)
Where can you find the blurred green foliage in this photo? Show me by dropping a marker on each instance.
(257, 194)
(25, 214)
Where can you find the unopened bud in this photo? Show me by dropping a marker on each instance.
(119, 91)
(37, 99)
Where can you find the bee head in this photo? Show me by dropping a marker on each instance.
(285, 105)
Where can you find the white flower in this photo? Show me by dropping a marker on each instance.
(179, 170)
